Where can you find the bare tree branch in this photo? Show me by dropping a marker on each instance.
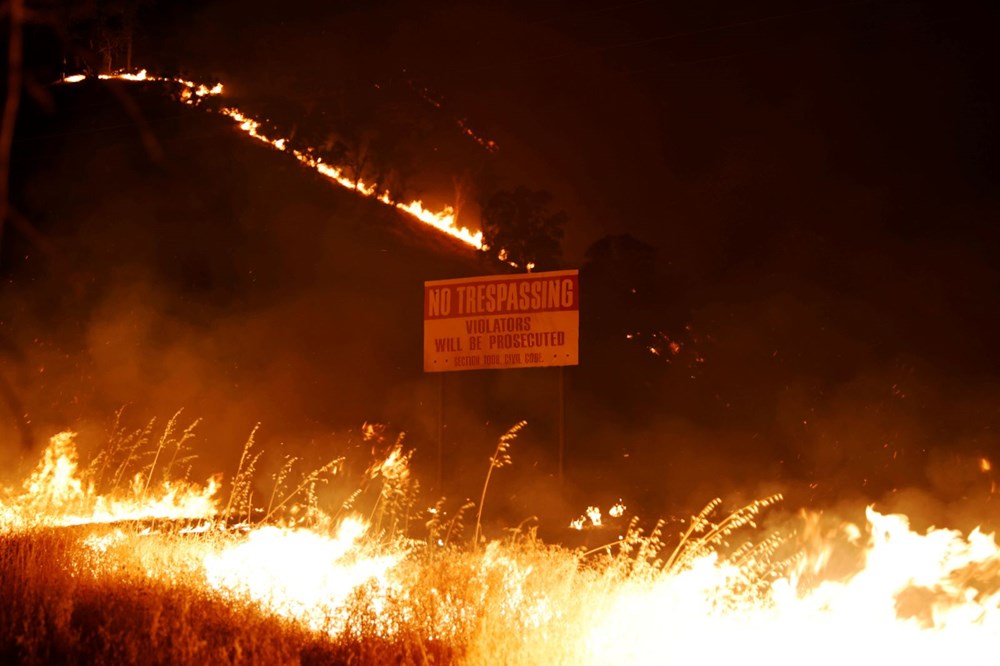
(15, 64)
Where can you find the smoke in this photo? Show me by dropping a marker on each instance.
(225, 281)
(828, 396)
(838, 267)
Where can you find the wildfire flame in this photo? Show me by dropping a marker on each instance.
(316, 576)
(444, 220)
(907, 598)
(56, 494)
(917, 599)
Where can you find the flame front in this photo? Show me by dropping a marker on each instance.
(918, 599)
(444, 220)
(57, 494)
(302, 575)
(907, 598)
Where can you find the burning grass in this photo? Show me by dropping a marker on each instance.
(192, 93)
(375, 581)
(76, 595)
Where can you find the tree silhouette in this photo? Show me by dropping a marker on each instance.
(107, 29)
(631, 289)
(636, 332)
(373, 135)
(518, 224)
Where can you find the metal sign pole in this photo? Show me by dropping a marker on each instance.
(440, 438)
(562, 422)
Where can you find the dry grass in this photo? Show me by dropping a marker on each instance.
(67, 604)
(139, 592)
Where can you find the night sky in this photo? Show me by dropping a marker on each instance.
(677, 122)
(817, 184)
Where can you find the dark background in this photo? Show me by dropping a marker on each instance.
(809, 192)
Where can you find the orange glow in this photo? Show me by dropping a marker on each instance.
(58, 494)
(954, 615)
(901, 597)
(300, 574)
(593, 517)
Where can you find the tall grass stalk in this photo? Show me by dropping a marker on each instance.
(500, 458)
(240, 489)
(111, 594)
(167, 439)
(307, 481)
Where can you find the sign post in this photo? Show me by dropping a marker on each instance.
(497, 322)
(440, 451)
(562, 422)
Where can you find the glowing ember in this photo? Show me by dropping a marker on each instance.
(593, 515)
(141, 75)
(489, 144)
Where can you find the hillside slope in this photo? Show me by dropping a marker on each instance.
(192, 267)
